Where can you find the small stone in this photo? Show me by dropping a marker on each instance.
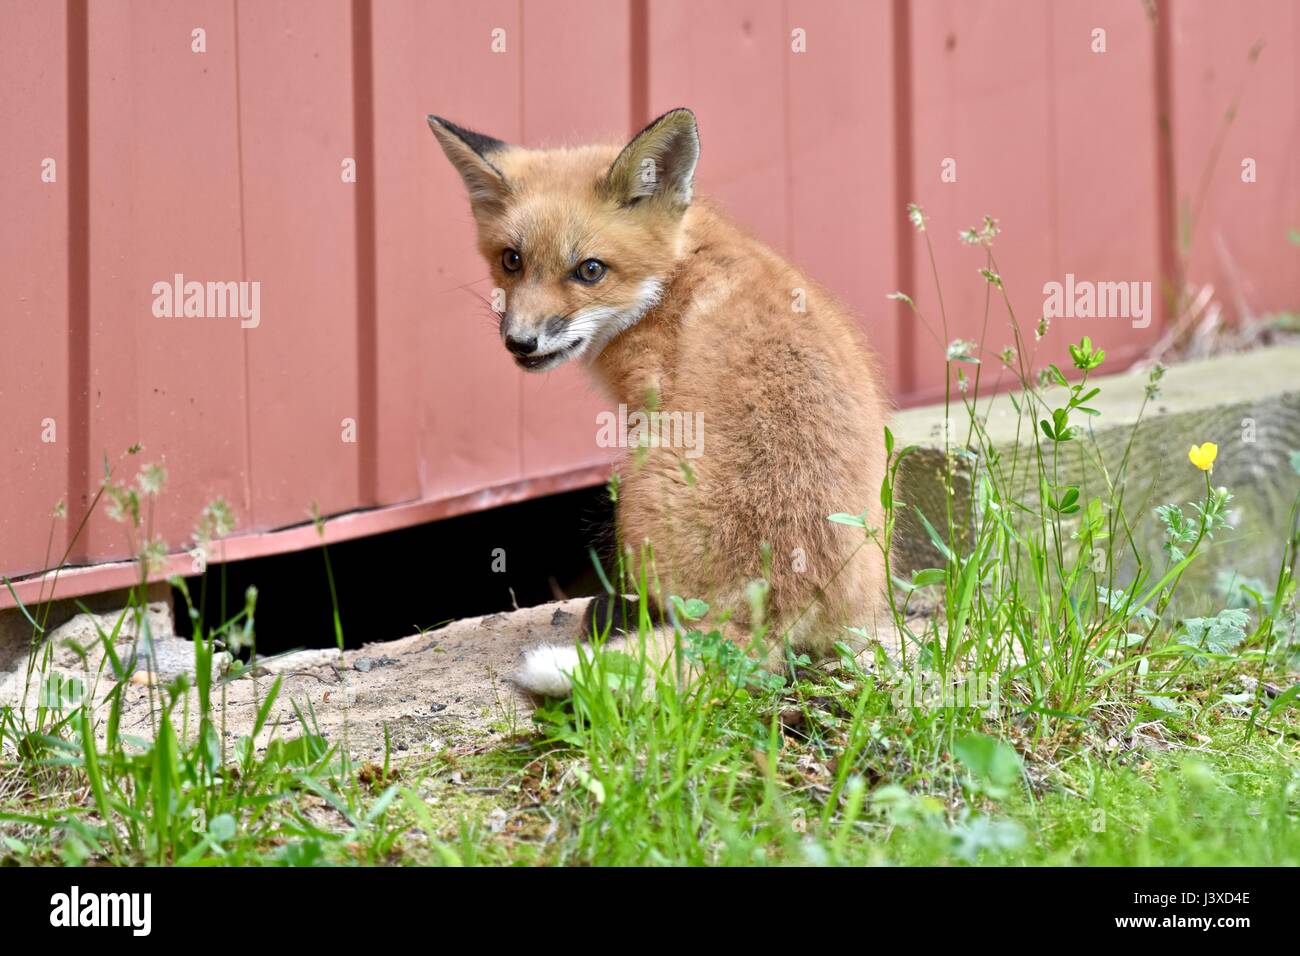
(363, 664)
(562, 617)
(437, 708)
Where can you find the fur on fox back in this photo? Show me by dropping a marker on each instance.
(695, 316)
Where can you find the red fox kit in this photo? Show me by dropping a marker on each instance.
(605, 256)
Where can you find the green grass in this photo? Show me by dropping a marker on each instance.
(826, 770)
(1110, 728)
(742, 798)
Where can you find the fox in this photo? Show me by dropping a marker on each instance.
(606, 257)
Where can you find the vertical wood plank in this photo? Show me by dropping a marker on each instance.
(452, 401)
(165, 201)
(1239, 241)
(296, 94)
(403, 260)
(33, 281)
(981, 102)
(1105, 186)
(370, 423)
(841, 162)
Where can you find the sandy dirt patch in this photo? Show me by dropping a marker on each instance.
(430, 690)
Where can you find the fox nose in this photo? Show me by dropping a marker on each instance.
(521, 347)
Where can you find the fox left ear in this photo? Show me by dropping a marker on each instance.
(470, 153)
(659, 163)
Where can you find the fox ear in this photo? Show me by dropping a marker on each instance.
(659, 163)
(470, 153)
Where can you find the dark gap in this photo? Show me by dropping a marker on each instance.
(78, 178)
(1167, 221)
(903, 194)
(638, 65)
(392, 585)
(363, 139)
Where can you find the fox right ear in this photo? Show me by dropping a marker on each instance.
(659, 163)
(469, 152)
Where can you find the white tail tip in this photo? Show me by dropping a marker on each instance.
(546, 670)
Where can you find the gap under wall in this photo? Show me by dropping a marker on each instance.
(392, 585)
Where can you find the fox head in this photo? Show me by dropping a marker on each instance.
(582, 240)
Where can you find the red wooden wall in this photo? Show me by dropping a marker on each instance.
(225, 165)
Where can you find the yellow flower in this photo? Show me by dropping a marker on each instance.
(1203, 457)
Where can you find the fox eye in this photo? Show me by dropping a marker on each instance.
(590, 271)
(511, 261)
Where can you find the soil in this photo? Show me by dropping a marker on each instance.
(430, 690)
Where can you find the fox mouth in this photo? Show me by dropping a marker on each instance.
(547, 360)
